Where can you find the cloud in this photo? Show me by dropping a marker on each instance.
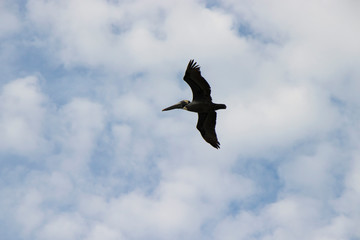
(101, 231)
(278, 117)
(63, 227)
(86, 152)
(129, 32)
(22, 116)
(9, 21)
(79, 124)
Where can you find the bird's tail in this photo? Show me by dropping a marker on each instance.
(220, 106)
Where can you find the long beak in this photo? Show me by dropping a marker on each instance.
(178, 105)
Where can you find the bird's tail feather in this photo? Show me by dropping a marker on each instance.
(220, 106)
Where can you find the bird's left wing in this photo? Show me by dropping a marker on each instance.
(206, 126)
(200, 87)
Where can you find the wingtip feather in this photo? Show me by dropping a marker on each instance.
(193, 65)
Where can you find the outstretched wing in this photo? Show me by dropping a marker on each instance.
(199, 86)
(206, 125)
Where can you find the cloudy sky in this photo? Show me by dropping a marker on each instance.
(86, 153)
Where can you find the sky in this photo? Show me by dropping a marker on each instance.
(87, 153)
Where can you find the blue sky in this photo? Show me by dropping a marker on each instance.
(86, 153)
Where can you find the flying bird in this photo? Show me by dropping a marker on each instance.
(201, 103)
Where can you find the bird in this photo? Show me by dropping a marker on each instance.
(201, 103)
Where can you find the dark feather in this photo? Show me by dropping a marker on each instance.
(206, 126)
(200, 87)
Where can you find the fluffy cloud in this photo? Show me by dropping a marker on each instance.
(120, 33)
(8, 18)
(22, 116)
(104, 162)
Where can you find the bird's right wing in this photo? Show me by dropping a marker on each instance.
(206, 125)
(200, 87)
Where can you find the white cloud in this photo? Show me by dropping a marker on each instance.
(79, 123)
(114, 35)
(315, 173)
(22, 113)
(64, 226)
(29, 213)
(277, 117)
(101, 231)
(9, 22)
(111, 165)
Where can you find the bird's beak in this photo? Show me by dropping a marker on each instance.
(178, 105)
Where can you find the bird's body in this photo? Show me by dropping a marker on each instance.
(203, 106)
(201, 103)
(199, 106)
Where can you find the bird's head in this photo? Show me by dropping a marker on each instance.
(181, 105)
